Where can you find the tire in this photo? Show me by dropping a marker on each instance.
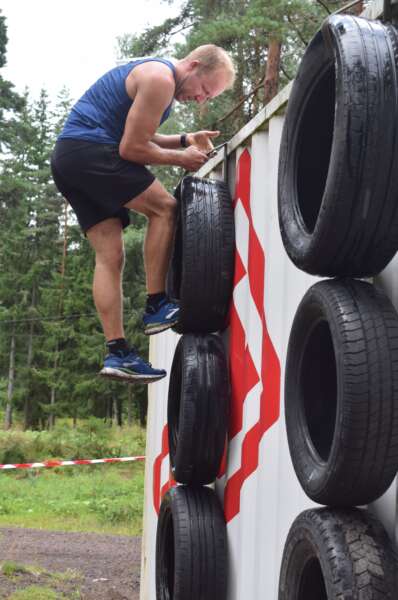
(198, 408)
(338, 554)
(202, 266)
(191, 546)
(338, 166)
(341, 393)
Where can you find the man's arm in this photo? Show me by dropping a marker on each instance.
(155, 89)
(200, 139)
(172, 142)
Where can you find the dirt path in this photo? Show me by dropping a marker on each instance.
(105, 567)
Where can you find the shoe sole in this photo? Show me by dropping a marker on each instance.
(116, 375)
(159, 328)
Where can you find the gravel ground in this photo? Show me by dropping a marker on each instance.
(107, 567)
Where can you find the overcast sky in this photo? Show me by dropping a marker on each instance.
(52, 43)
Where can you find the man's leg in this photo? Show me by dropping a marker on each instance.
(122, 363)
(159, 208)
(107, 241)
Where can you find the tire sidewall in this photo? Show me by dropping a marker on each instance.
(306, 460)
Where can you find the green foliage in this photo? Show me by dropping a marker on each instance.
(11, 104)
(244, 28)
(45, 276)
(92, 439)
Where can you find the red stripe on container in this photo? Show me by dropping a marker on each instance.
(244, 376)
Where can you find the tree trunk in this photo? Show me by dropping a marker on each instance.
(114, 410)
(120, 412)
(29, 360)
(11, 379)
(51, 416)
(129, 406)
(109, 403)
(143, 406)
(271, 83)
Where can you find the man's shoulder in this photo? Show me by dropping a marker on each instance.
(153, 71)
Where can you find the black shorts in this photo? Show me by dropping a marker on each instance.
(96, 181)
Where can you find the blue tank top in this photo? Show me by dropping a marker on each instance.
(100, 114)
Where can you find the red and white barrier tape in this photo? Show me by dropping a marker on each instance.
(68, 463)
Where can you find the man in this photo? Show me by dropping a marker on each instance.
(98, 165)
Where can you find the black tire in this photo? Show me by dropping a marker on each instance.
(341, 393)
(338, 554)
(191, 546)
(198, 408)
(202, 266)
(338, 169)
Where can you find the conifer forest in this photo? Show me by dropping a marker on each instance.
(51, 341)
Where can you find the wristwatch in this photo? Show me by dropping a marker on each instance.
(183, 140)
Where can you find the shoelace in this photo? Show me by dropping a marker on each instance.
(134, 350)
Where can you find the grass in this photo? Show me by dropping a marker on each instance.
(35, 592)
(14, 570)
(106, 498)
(102, 499)
(10, 569)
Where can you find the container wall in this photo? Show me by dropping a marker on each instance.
(259, 489)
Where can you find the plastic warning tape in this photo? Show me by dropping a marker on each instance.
(69, 463)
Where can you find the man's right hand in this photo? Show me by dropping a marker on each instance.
(193, 159)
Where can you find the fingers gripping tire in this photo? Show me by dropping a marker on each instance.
(191, 546)
(198, 408)
(338, 169)
(332, 553)
(202, 266)
(341, 393)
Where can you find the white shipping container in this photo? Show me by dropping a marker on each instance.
(259, 489)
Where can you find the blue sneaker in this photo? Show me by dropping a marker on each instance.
(165, 317)
(130, 368)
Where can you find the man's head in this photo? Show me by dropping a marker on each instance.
(204, 74)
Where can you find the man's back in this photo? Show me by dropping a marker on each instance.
(100, 114)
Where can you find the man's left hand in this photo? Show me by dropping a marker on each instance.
(202, 140)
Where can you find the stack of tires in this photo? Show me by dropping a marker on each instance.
(191, 547)
(338, 213)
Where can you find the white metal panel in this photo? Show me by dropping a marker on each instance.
(161, 355)
(271, 497)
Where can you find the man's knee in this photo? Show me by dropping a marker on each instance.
(111, 257)
(168, 206)
(164, 207)
(159, 204)
(107, 242)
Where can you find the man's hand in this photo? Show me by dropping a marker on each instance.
(193, 159)
(202, 140)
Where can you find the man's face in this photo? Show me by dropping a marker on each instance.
(198, 86)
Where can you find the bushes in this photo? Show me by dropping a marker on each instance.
(92, 439)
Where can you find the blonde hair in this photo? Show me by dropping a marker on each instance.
(213, 58)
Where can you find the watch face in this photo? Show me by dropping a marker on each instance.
(211, 153)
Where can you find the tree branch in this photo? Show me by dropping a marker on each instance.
(242, 101)
(324, 6)
(297, 30)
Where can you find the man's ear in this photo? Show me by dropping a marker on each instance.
(193, 64)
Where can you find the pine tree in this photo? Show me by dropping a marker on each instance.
(254, 32)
